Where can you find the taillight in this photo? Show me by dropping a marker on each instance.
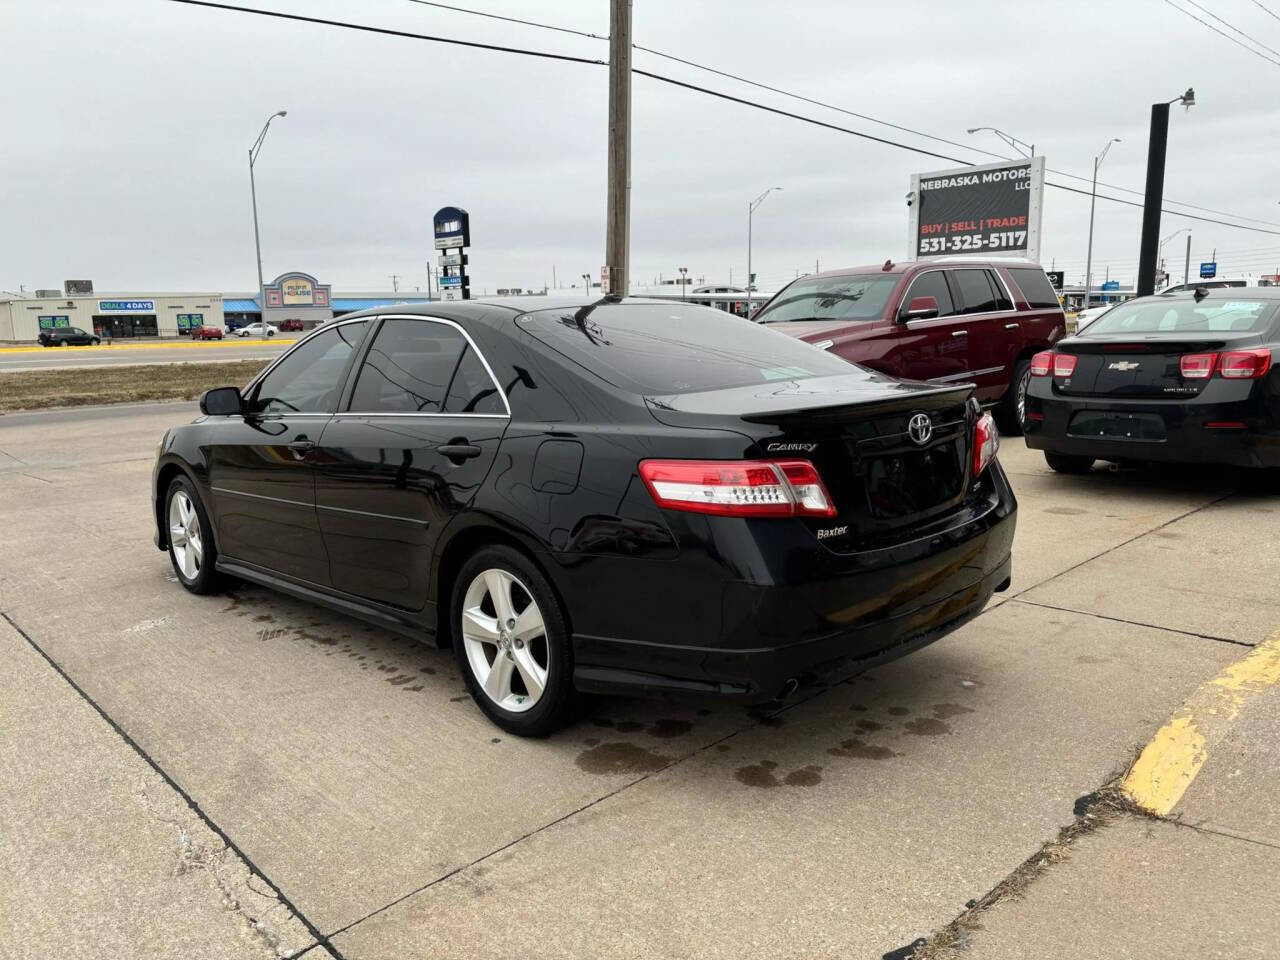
(1197, 366)
(1245, 364)
(986, 442)
(1064, 364)
(738, 488)
(1042, 363)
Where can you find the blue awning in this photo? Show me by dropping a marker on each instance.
(343, 303)
(240, 306)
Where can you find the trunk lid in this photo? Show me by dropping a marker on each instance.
(1144, 366)
(855, 431)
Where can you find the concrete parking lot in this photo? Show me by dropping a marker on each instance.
(246, 775)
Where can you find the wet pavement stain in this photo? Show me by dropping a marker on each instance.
(601, 722)
(668, 729)
(861, 750)
(870, 726)
(859, 708)
(809, 776)
(704, 712)
(898, 711)
(416, 686)
(945, 711)
(758, 775)
(628, 726)
(428, 670)
(263, 618)
(618, 757)
(591, 742)
(399, 679)
(459, 699)
(316, 638)
(1086, 658)
(723, 747)
(926, 727)
(1066, 511)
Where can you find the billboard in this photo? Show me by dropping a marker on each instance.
(990, 211)
(297, 289)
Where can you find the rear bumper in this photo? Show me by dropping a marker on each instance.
(865, 609)
(1189, 438)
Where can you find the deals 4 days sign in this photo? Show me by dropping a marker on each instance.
(992, 210)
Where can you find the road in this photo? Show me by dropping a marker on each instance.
(247, 775)
(180, 351)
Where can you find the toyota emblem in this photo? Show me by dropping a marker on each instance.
(920, 429)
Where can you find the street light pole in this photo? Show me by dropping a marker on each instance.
(1154, 197)
(253, 193)
(1093, 199)
(683, 281)
(751, 209)
(1007, 138)
(617, 256)
(1186, 266)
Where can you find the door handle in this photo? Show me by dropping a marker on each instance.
(959, 333)
(302, 446)
(1011, 326)
(459, 451)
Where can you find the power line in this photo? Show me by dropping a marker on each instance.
(831, 106)
(930, 153)
(678, 83)
(1266, 10)
(1232, 27)
(523, 23)
(1244, 46)
(542, 54)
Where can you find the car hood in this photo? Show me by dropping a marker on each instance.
(815, 331)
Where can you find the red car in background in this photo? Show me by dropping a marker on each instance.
(290, 324)
(206, 333)
(942, 321)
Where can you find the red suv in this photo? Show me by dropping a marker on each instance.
(941, 321)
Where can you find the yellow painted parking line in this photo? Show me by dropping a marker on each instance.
(228, 342)
(1169, 763)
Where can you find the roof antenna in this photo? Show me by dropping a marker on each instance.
(1201, 293)
(888, 265)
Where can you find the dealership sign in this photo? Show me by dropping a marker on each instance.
(991, 210)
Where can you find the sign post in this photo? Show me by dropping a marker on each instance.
(452, 233)
(989, 210)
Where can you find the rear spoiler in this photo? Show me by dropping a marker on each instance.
(930, 398)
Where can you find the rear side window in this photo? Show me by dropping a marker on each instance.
(419, 366)
(976, 293)
(662, 349)
(932, 284)
(1035, 286)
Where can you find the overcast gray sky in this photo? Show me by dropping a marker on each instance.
(126, 125)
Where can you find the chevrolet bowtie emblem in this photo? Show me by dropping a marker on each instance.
(1122, 365)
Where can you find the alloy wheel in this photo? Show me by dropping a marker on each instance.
(1023, 384)
(185, 538)
(505, 640)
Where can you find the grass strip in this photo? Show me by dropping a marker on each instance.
(36, 389)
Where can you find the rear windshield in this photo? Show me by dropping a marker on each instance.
(662, 349)
(848, 299)
(1186, 316)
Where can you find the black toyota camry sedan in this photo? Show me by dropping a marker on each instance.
(626, 496)
(1183, 377)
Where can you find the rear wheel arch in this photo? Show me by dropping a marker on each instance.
(455, 553)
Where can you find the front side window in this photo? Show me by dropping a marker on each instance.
(931, 284)
(847, 299)
(420, 366)
(309, 378)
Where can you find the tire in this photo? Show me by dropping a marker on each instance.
(495, 660)
(1062, 463)
(95, 341)
(1013, 405)
(191, 548)
(64, 343)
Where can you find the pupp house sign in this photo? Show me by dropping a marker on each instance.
(991, 210)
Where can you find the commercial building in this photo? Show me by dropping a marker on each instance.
(292, 296)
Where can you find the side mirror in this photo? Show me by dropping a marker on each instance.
(920, 308)
(221, 402)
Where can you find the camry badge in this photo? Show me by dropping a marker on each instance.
(1122, 366)
(920, 429)
(791, 447)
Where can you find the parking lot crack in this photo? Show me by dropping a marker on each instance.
(1134, 623)
(190, 856)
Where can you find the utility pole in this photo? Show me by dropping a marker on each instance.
(1186, 267)
(617, 250)
(553, 276)
(1093, 199)
(395, 282)
(1156, 147)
